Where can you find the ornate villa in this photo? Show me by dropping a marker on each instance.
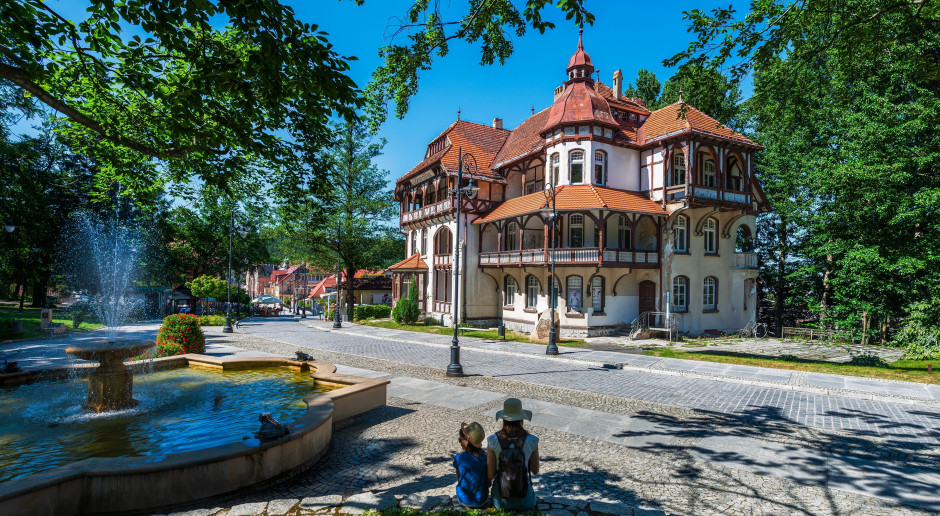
(653, 207)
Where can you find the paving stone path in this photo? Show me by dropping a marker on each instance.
(602, 453)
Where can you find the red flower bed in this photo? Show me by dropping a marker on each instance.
(182, 330)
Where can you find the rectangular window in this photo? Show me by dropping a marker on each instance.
(597, 294)
(532, 292)
(598, 130)
(574, 294)
(569, 131)
(608, 133)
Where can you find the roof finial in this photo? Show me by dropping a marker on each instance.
(580, 45)
(680, 97)
(458, 112)
(533, 109)
(598, 72)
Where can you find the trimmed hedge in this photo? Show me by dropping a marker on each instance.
(212, 320)
(183, 330)
(371, 312)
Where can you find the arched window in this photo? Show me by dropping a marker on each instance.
(576, 230)
(680, 294)
(646, 234)
(624, 232)
(708, 172)
(681, 234)
(678, 167)
(510, 242)
(509, 291)
(574, 295)
(576, 167)
(600, 167)
(743, 241)
(710, 230)
(531, 292)
(710, 294)
(424, 241)
(597, 294)
(555, 170)
(443, 241)
(735, 179)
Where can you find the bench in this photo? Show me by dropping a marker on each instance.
(811, 333)
(469, 328)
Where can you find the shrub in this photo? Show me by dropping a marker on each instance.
(867, 360)
(381, 311)
(407, 310)
(162, 350)
(212, 320)
(920, 333)
(371, 312)
(431, 321)
(183, 330)
(789, 358)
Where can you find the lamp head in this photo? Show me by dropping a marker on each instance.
(471, 189)
(243, 232)
(9, 226)
(546, 210)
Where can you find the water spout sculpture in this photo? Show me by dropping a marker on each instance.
(111, 385)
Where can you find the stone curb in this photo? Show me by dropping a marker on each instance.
(845, 393)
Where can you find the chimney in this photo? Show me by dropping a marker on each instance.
(618, 84)
(558, 91)
(497, 123)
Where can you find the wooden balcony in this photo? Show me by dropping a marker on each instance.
(438, 209)
(719, 194)
(590, 256)
(443, 261)
(441, 307)
(745, 261)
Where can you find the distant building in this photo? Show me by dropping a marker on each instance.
(653, 205)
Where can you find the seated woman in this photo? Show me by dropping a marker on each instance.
(472, 485)
(512, 457)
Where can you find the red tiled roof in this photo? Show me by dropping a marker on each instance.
(577, 197)
(482, 141)
(413, 262)
(321, 287)
(522, 141)
(669, 120)
(623, 103)
(579, 103)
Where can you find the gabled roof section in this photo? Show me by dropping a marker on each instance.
(482, 141)
(669, 121)
(576, 197)
(623, 103)
(522, 141)
(412, 263)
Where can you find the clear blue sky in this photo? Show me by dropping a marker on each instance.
(625, 35)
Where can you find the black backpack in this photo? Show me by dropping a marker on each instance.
(512, 472)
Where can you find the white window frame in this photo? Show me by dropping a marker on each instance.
(531, 292)
(681, 234)
(597, 282)
(575, 221)
(710, 236)
(509, 291)
(575, 157)
(708, 173)
(603, 164)
(555, 168)
(680, 294)
(710, 294)
(624, 233)
(512, 232)
(678, 168)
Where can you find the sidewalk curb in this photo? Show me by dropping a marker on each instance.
(844, 393)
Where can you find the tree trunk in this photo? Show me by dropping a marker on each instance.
(39, 294)
(350, 294)
(864, 328)
(827, 288)
(780, 280)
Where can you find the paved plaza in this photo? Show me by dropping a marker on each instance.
(620, 433)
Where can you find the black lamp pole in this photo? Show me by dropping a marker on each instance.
(228, 280)
(469, 162)
(552, 348)
(337, 322)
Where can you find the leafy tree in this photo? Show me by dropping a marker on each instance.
(647, 88)
(177, 95)
(354, 205)
(847, 102)
(708, 90)
(208, 286)
(407, 309)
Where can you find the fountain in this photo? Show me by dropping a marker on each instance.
(65, 452)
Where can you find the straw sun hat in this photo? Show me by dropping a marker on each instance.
(513, 411)
(473, 432)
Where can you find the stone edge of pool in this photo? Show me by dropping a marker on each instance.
(137, 484)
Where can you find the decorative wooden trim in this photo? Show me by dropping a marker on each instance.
(726, 230)
(701, 221)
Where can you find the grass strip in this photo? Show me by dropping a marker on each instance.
(30, 318)
(442, 330)
(906, 370)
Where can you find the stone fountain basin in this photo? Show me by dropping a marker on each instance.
(157, 483)
(102, 350)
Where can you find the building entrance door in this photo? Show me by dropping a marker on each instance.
(647, 296)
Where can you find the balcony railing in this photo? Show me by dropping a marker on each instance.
(426, 212)
(745, 260)
(579, 255)
(718, 194)
(443, 260)
(442, 307)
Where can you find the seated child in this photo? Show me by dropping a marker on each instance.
(472, 486)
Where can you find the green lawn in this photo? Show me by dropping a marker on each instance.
(906, 370)
(30, 318)
(483, 334)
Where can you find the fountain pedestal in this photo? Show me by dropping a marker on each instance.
(111, 384)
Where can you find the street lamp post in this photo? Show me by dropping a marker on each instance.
(337, 322)
(470, 163)
(228, 280)
(551, 213)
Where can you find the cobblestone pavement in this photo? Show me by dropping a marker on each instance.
(660, 460)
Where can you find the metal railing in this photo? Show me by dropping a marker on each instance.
(648, 322)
